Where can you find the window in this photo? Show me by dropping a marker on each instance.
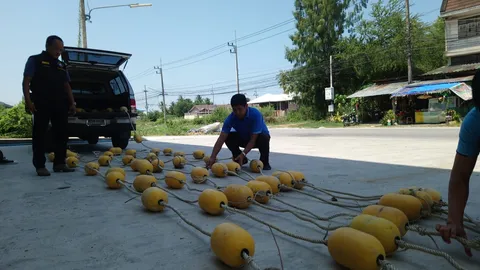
(469, 27)
(88, 88)
(465, 59)
(118, 86)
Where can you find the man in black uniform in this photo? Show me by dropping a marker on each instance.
(50, 100)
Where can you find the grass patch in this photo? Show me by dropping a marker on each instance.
(171, 128)
(308, 124)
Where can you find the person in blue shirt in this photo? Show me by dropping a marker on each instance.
(250, 131)
(466, 156)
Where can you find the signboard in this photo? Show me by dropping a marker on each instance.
(330, 108)
(329, 93)
(462, 90)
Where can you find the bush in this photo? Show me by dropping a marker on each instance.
(15, 122)
(218, 115)
(154, 116)
(388, 116)
(302, 114)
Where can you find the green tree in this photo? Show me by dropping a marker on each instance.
(199, 100)
(207, 101)
(320, 25)
(15, 122)
(182, 106)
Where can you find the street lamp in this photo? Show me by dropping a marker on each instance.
(87, 17)
(137, 5)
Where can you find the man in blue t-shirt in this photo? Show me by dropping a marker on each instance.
(465, 159)
(250, 131)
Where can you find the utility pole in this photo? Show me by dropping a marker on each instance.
(213, 96)
(146, 100)
(83, 23)
(235, 51)
(331, 70)
(255, 94)
(160, 71)
(409, 43)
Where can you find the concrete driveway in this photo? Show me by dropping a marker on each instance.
(71, 221)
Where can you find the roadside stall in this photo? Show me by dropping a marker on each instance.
(431, 101)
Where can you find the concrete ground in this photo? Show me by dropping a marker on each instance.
(71, 221)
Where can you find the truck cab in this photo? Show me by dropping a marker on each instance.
(104, 98)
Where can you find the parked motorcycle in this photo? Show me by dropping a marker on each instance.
(350, 120)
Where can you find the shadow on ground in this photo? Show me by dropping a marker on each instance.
(70, 221)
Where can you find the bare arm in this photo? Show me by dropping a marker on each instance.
(218, 145)
(458, 187)
(26, 88)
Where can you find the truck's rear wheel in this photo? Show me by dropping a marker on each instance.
(121, 139)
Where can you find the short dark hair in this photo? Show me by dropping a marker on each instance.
(51, 39)
(476, 89)
(238, 99)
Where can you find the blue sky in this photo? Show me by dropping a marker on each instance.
(168, 30)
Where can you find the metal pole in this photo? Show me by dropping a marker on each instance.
(235, 51)
(331, 71)
(83, 23)
(146, 100)
(409, 43)
(213, 96)
(163, 95)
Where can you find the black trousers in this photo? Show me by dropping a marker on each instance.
(58, 116)
(234, 142)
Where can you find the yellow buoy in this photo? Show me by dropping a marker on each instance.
(394, 215)
(137, 138)
(151, 156)
(383, 229)
(156, 151)
(229, 241)
(158, 165)
(152, 199)
(144, 166)
(411, 206)
(355, 249)
(104, 160)
(116, 169)
(238, 196)
(273, 182)
(434, 194)
(108, 153)
(256, 166)
(142, 182)
(127, 159)
(92, 168)
(233, 167)
(113, 178)
(131, 152)
(72, 162)
(199, 175)
(211, 201)
(206, 159)
(179, 154)
(116, 151)
(219, 170)
(261, 191)
(198, 154)
(286, 179)
(167, 151)
(51, 157)
(299, 179)
(175, 180)
(179, 162)
(425, 199)
(71, 154)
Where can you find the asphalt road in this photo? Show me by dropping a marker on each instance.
(71, 221)
(397, 132)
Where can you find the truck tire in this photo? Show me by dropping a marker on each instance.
(92, 140)
(121, 139)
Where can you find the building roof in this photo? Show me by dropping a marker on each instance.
(454, 69)
(205, 107)
(267, 98)
(449, 7)
(379, 90)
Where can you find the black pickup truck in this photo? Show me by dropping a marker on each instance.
(102, 93)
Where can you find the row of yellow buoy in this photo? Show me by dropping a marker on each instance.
(391, 215)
